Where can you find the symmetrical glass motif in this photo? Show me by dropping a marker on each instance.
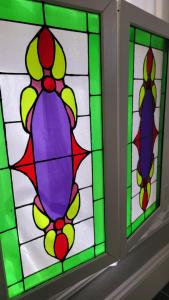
(51, 163)
(146, 104)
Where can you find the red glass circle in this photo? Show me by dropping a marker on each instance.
(59, 224)
(49, 84)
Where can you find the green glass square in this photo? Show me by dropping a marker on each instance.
(78, 259)
(94, 64)
(137, 223)
(130, 118)
(96, 122)
(142, 37)
(22, 10)
(149, 211)
(16, 290)
(162, 111)
(129, 206)
(128, 231)
(157, 42)
(42, 276)
(3, 155)
(99, 226)
(66, 18)
(132, 32)
(131, 68)
(98, 184)
(7, 219)
(93, 23)
(11, 256)
(129, 164)
(100, 249)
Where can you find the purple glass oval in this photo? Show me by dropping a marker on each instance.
(51, 135)
(146, 134)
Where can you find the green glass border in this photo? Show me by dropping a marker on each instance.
(78, 259)
(161, 125)
(93, 23)
(11, 252)
(144, 38)
(42, 276)
(6, 201)
(131, 68)
(99, 220)
(157, 42)
(137, 223)
(94, 64)
(132, 33)
(100, 249)
(3, 156)
(96, 122)
(25, 11)
(77, 21)
(65, 18)
(16, 289)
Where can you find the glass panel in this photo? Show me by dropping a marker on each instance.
(11, 88)
(75, 46)
(86, 205)
(49, 180)
(62, 17)
(145, 125)
(80, 86)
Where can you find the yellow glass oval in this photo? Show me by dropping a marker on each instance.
(32, 61)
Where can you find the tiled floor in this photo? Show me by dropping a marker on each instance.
(163, 294)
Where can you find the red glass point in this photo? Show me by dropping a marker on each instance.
(46, 48)
(149, 61)
(61, 246)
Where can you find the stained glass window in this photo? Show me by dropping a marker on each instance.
(146, 104)
(51, 163)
